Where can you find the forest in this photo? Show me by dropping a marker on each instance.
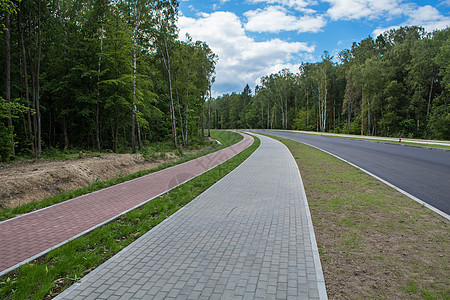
(396, 84)
(99, 74)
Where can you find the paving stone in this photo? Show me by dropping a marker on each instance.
(244, 230)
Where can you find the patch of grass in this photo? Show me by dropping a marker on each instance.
(374, 242)
(227, 138)
(51, 274)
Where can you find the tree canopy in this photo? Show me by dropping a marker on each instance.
(98, 74)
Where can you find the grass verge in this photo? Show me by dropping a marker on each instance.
(227, 138)
(374, 242)
(49, 275)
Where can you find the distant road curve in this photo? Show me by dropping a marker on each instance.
(421, 172)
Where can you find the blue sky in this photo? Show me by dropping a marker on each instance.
(254, 38)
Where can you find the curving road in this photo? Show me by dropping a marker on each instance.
(422, 172)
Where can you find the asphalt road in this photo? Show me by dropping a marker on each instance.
(424, 173)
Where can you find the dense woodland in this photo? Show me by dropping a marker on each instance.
(397, 84)
(99, 74)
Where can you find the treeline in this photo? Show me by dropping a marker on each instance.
(395, 85)
(98, 74)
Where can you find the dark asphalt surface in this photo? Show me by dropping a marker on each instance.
(424, 173)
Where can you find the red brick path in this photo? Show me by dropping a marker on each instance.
(33, 234)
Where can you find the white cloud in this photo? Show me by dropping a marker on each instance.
(242, 60)
(371, 9)
(276, 18)
(426, 16)
(299, 5)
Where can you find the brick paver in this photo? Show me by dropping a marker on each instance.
(247, 237)
(33, 234)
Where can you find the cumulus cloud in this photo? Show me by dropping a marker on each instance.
(300, 5)
(371, 9)
(242, 60)
(276, 18)
(426, 16)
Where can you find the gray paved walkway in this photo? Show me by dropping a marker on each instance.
(247, 237)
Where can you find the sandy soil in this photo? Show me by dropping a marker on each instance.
(27, 182)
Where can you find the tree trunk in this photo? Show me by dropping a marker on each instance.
(66, 134)
(187, 119)
(368, 117)
(166, 58)
(97, 110)
(38, 110)
(286, 111)
(209, 112)
(181, 117)
(186, 113)
(25, 75)
(64, 117)
(362, 112)
(429, 96)
(307, 108)
(325, 106)
(139, 134)
(348, 117)
(8, 77)
(35, 76)
(334, 113)
(133, 106)
(116, 128)
(203, 115)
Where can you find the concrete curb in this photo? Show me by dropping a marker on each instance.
(319, 273)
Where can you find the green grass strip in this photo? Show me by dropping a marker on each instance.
(227, 138)
(51, 274)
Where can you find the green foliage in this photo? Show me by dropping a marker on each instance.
(102, 79)
(300, 122)
(11, 110)
(6, 145)
(443, 59)
(439, 124)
